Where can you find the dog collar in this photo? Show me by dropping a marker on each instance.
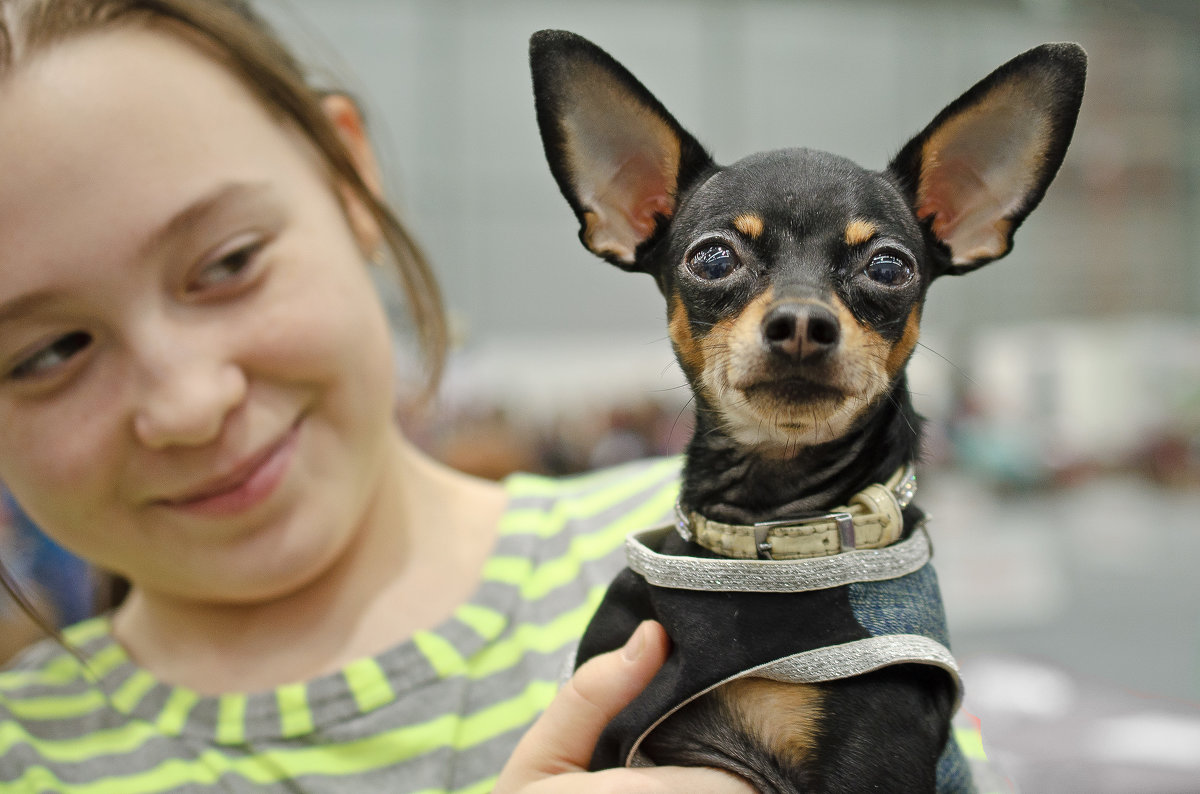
(873, 519)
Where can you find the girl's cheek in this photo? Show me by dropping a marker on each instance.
(54, 451)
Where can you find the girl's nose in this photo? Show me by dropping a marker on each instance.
(185, 395)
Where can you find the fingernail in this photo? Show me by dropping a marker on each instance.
(635, 644)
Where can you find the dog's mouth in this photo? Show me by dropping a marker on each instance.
(795, 390)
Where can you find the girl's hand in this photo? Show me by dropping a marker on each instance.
(553, 754)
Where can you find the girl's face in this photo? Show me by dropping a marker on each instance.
(195, 371)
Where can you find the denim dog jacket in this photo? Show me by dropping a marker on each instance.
(802, 621)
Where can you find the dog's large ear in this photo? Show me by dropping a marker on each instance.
(618, 156)
(985, 162)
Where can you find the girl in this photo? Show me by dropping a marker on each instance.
(196, 394)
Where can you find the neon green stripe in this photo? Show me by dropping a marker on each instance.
(368, 684)
(487, 623)
(204, 769)
(107, 660)
(505, 716)
(536, 522)
(530, 521)
(293, 706)
(386, 749)
(509, 570)
(443, 657)
(532, 638)
(58, 671)
(124, 739)
(970, 741)
(231, 718)
(596, 503)
(543, 524)
(65, 668)
(131, 692)
(519, 572)
(84, 631)
(296, 718)
(176, 710)
(565, 569)
(55, 707)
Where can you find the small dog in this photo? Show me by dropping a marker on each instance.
(809, 649)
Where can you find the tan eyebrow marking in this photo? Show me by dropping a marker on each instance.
(858, 231)
(749, 224)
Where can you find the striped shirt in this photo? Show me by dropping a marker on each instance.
(441, 712)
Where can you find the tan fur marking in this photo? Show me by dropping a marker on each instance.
(858, 231)
(749, 224)
(904, 347)
(785, 717)
(691, 355)
(744, 330)
(737, 360)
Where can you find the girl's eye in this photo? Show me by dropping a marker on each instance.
(889, 269)
(713, 262)
(53, 355)
(227, 267)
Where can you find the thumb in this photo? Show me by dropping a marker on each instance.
(563, 738)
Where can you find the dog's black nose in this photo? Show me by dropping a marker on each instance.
(801, 330)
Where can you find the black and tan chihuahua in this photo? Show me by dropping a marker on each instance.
(809, 649)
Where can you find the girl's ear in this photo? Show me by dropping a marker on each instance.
(347, 121)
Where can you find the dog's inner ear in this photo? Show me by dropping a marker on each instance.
(977, 170)
(622, 158)
(985, 162)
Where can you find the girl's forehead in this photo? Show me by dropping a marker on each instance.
(104, 136)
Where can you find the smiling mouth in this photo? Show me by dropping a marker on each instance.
(248, 484)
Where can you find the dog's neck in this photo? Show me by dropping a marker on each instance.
(725, 481)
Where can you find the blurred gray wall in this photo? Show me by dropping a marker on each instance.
(446, 85)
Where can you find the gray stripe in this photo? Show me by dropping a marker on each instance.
(512, 681)
(775, 576)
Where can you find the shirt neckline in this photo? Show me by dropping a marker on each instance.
(295, 709)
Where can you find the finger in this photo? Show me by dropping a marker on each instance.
(674, 779)
(562, 739)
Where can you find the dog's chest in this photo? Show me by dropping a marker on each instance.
(801, 621)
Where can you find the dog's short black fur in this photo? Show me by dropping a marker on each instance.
(794, 282)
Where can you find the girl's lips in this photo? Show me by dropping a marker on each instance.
(247, 486)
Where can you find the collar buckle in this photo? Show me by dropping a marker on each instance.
(843, 520)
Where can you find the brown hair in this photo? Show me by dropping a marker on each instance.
(245, 44)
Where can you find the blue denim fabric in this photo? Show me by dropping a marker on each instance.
(912, 604)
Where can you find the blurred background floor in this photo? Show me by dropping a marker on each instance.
(1075, 613)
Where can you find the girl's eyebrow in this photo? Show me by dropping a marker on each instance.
(223, 196)
(227, 196)
(13, 309)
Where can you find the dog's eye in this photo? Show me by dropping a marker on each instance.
(712, 262)
(889, 269)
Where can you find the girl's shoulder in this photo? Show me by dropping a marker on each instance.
(49, 699)
(48, 667)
